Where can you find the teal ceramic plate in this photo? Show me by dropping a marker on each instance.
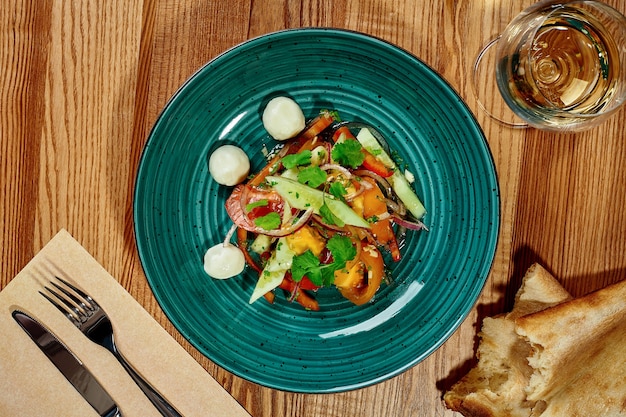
(178, 211)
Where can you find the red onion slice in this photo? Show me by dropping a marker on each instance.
(412, 225)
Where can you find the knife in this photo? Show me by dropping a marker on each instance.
(69, 365)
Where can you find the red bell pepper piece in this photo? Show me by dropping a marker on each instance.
(242, 241)
(304, 299)
(375, 165)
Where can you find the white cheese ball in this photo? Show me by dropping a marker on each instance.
(224, 261)
(283, 118)
(229, 165)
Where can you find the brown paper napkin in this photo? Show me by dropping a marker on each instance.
(31, 386)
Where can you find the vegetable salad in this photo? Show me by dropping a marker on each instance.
(322, 212)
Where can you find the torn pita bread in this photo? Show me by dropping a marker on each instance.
(579, 355)
(567, 359)
(495, 386)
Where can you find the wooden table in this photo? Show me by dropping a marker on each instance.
(82, 82)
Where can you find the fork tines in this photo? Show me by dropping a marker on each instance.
(70, 300)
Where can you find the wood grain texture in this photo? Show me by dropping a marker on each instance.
(82, 83)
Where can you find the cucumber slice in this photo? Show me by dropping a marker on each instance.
(304, 197)
(400, 184)
(405, 193)
(369, 142)
(274, 271)
(261, 244)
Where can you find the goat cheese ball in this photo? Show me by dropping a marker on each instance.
(224, 261)
(229, 165)
(283, 118)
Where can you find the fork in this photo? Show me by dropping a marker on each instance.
(85, 313)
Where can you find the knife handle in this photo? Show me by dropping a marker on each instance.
(155, 398)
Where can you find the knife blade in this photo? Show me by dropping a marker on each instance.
(69, 365)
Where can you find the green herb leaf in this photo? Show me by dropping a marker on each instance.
(342, 250)
(297, 159)
(334, 114)
(260, 203)
(268, 222)
(348, 153)
(372, 219)
(337, 189)
(306, 264)
(327, 275)
(312, 176)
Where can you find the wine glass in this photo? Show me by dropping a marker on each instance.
(559, 65)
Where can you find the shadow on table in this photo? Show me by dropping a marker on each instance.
(523, 259)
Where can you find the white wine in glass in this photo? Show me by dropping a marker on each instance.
(561, 65)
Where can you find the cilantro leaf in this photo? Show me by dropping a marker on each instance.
(313, 176)
(337, 189)
(296, 159)
(306, 264)
(348, 153)
(268, 222)
(342, 250)
(259, 203)
(327, 275)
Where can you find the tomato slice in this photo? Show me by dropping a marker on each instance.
(271, 207)
(364, 281)
(374, 205)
